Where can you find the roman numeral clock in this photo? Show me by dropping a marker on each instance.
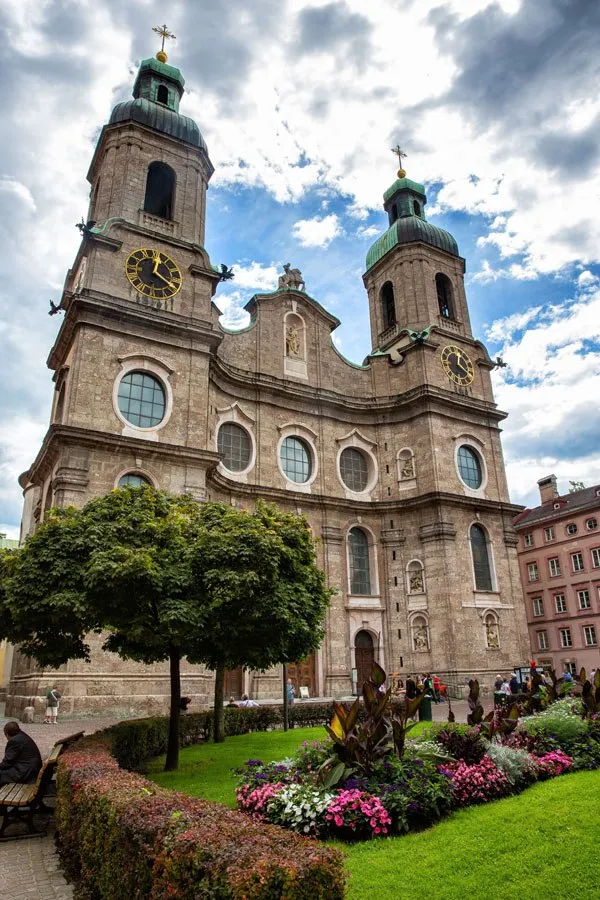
(153, 274)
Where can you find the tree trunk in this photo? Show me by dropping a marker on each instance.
(286, 708)
(219, 729)
(172, 761)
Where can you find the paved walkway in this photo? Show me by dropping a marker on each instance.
(29, 867)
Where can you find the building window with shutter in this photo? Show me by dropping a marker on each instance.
(480, 552)
(589, 635)
(532, 572)
(560, 603)
(542, 637)
(538, 606)
(577, 562)
(554, 566)
(528, 540)
(565, 637)
(596, 557)
(549, 533)
(583, 598)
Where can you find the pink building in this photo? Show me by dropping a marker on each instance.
(559, 562)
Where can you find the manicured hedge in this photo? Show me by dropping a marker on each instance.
(123, 836)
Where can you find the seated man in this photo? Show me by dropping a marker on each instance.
(245, 701)
(22, 760)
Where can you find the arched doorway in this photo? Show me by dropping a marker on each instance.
(233, 684)
(364, 654)
(303, 674)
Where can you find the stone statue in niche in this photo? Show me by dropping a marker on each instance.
(415, 579)
(408, 468)
(292, 341)
(420, 639)
(291, 279)
(493, 638)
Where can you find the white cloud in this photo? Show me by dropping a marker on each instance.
(10, 185)
(370, 231)
(503, 329)
(234, 316)
(317, 232)
(255, 276)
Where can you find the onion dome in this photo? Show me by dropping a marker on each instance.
(404, 203)
(157, 91)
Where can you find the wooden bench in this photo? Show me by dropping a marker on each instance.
(20, 802)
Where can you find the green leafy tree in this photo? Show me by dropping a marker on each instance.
(264, 596)
(167, 578)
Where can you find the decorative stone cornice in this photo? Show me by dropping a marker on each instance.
(332, 534)
(393, 536)
(437, 531)
(511, 538)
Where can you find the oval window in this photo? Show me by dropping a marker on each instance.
(469, 467)
(572, 528)
(354, 469)
(141, 399)
(234, 443)
(295, 460)
(132, 479)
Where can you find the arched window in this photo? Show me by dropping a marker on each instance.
(443, 287)
(358, 558)
(388, 306)
(234, 443)
(141, 399)
(162, 94)
(48, 501)
(160, 190)
(354, 469)
(132, 479)
(469, 467)
(296, 459)
(481, 559)
(364, 656)
(417, 208)
(60, 404)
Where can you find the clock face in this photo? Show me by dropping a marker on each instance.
(153, 273)
(457, 366)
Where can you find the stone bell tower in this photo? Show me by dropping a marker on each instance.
(131, 359)
(422, 282)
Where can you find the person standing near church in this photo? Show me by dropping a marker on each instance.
(52, 702)
(291, 692)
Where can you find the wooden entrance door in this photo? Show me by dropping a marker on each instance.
(364, 654)
(233, 685)
(303, 674)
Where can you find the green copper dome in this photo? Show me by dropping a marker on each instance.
(404, 203)
(157, 91)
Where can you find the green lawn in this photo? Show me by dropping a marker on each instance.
(542, 844)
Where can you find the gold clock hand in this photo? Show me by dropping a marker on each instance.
(156, 265)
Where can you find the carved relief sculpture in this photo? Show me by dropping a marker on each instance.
(492, 636)
(292, 341)
(291, 279)
(421, 639)
(408, 468)
(416, 581)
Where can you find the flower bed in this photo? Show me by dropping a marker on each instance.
(122, 836)
(456, 766)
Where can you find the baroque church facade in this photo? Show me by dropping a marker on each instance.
(396, 463)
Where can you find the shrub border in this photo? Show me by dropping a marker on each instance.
(120, 835)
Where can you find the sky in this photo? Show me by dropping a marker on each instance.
(495, 103)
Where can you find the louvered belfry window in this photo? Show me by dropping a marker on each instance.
(481, 559)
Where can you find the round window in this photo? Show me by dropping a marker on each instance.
(469, 467)
(354, 469)
(234, 443)
(572, 528)
(132, 479)
(141, 399)
(592, 524)
(295, 460)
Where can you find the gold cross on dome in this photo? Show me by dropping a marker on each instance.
(164, 32)
(399, 153)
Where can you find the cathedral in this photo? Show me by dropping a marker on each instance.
(396, 463)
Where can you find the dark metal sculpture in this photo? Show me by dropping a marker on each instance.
(54, 308)
(226, 274)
